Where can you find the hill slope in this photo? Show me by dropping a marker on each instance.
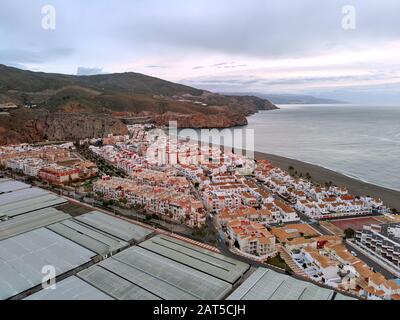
(106, 100)
(291, 98)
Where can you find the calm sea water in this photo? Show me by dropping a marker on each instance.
(360, 141)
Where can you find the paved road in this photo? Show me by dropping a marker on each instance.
(360, 255)
(371, 263)
(224, 248)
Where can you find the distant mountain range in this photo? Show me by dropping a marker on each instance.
(59, 106)
(290, 98)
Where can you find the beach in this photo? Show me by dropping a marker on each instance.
(322, 175)
(358, 141)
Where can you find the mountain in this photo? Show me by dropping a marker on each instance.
(74, 107)
(291, 98)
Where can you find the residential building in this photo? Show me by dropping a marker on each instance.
(251, 237)
(382, 240)
(58, 175)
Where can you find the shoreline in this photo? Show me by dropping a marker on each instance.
(321, 175)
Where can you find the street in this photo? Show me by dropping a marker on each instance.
(371, 263)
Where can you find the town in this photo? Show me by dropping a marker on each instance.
(253, 210)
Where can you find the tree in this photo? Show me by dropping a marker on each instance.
(99, 194)
(349, 233)
(328, 184)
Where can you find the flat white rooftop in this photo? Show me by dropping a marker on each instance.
(265, 284)
(95, 240)
(22, 206)
(156, 276)
(19, 195)
(30, 221)
(8, 185)
(198, 258)
(71, 288)
(23, 257)
(114, 226)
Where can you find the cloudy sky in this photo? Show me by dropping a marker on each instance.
(266, 46)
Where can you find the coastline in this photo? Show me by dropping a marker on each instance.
(322, 175)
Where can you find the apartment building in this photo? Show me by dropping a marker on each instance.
(382, 240)
(173, 205)
(262, 216)
(58, 174)
(251, 237)
(288, 213)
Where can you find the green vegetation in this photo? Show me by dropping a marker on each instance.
(349, 233)
(205, 234)
(74, 209)
(127, 93)
(310, 236)
(328, 184)
(277, 261)
(102, 164)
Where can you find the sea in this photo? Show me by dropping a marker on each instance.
(360, 141)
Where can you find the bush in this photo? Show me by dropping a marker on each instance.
(349, 233)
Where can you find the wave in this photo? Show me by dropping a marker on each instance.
(340, 171)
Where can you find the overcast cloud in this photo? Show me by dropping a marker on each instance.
(285, 46)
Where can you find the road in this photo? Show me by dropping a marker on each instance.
(224, 248)
(371, 263)
(360, 255)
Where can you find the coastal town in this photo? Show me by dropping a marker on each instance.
(255, 210)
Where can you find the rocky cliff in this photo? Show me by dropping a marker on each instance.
(198, 121)
(66, 107)
(23, 126)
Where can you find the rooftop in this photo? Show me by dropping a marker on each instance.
(22, 258)
(266, 284)
(204, 260)
(71, 288)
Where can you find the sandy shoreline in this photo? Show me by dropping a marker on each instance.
(322, 175)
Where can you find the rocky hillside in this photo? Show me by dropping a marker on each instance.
(72, 107)
(39, 125)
